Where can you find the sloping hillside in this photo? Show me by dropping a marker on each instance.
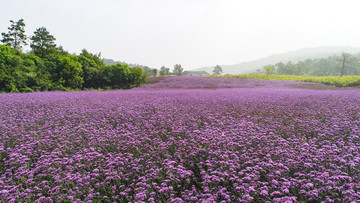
(294, 56)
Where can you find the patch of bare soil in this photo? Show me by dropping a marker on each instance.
(152, 80)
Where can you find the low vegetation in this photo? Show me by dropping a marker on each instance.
(345, 81)
(336, 65)
(48, 67)
(251, 144)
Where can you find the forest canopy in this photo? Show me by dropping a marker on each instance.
(336, 65)
(49, 67)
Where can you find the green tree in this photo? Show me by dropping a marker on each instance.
(137, 77)
(15, 37)
(148, 71)
(154, 71)
(43, 43)
(269, 69)
(119, 75)
(95, 57)
(90, 71)
(60, 70)
(178, 70)
(345, 64)
(279, 66)
(10, 62)
(344, 58)
(38, 74)
(70, 72)
(352, 65)
(92, 65)
(321, 67)
(164, 71)
(301, 68)
(167, 71)
(66, 72)
(288, 69)
(22, 72)
(60, 50)
(217, 70)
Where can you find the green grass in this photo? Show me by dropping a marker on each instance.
(345, 81)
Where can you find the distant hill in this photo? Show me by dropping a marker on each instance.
(112, 62)
(294, 56)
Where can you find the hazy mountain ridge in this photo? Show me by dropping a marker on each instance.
(294, 56)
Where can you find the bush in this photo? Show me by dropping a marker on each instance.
(21, 72)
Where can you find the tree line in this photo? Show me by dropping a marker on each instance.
(164, 71)
(178, 70)
(49, 67)
(345, 64)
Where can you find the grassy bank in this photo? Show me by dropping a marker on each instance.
(345, 81)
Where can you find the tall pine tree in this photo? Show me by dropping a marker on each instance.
(42, 43)
(15, 37)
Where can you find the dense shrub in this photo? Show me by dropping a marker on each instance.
(21, 72)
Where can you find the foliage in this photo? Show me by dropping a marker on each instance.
(15, 37)
(345, 64)
(121, 76)
(344, 58)
(70, 72)
(345, 81)
(155, 71)
(42, 42)
(178, 70)
(49, 67)
(21, 72)
(149, 71)
(90, 71)
(269, 69)
(164, 71)
(94, 57)
(217, 70)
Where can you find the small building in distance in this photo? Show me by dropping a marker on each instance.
(195, 73)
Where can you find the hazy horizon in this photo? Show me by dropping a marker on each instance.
(191, 33)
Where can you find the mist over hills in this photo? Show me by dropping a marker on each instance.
(293, 56)
(112, 62)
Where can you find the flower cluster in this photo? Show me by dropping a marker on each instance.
(216, 83)
(250, 143)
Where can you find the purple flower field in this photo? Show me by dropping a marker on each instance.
(182, 140)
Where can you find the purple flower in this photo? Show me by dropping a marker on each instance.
(247, 198)
(183, 139)
(177, 200)
(4, 192)
(308, 185)
(264, 193)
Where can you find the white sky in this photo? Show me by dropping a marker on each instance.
(193, 33)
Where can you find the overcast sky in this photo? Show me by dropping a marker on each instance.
(193, 33)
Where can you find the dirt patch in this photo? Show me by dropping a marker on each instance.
(152, 80)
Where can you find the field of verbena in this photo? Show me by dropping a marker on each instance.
(345, 81)
(260, 141)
